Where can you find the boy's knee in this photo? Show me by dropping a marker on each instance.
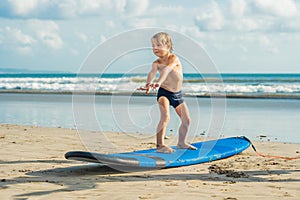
(189, 121)
(165, 118)
(186, 122)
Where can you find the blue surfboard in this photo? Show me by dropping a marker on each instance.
(207, 151)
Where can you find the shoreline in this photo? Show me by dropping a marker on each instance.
(151, 94)
(35, 168)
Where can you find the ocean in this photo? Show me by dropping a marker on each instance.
(262, 106)
(231, 85)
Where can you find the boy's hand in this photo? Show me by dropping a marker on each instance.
(155, 86)
(147, 87)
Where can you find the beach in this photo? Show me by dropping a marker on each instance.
(33, 167)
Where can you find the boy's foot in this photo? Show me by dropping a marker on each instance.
(186, 146)
(164, 149)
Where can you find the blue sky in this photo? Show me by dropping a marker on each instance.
(250, 36)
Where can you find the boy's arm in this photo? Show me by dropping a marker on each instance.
(150, 78)
(152, 74)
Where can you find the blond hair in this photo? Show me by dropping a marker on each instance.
(163, 38)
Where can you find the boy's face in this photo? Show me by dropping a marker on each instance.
(159, 49)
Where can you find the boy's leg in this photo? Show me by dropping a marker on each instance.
(164, 107)
(183, 113)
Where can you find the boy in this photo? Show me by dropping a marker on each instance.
(169, 93)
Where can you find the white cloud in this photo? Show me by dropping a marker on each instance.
(88, 6)
(23, 8)
(66, 9)
(191, 31)
(51, 39)
(245, 16)
(135, 7)
(47, 33)
(238, 7)
(81, 8)
(280, 8)
(19, 37)
(54, 9)
(210, 20)
(16, 40)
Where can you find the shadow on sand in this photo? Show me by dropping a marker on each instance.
(85, 177)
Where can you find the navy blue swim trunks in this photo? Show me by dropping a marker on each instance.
(175, 98)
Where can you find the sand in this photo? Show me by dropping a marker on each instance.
(32, 166)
